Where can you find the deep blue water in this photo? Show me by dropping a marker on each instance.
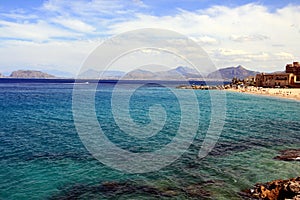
(43, 157)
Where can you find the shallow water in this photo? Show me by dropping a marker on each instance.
(42, 156)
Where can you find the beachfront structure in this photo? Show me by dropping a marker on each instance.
(289, 78)
(274, 80)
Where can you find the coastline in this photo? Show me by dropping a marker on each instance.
(286, 93)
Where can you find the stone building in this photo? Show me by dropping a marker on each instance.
(293, 68)
(289, 78)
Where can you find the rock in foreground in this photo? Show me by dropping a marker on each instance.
(275, 190)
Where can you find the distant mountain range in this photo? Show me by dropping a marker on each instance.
(59, 73)
(93, 74)
(231, 72)
(173, 74)
(139, 74)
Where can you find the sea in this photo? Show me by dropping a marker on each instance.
(43, 155)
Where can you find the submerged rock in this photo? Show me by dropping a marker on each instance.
(170, 193)
(289, 155)
(275, 190)
(196, 190)
(112, 189)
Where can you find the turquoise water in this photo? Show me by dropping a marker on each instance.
(42, 156)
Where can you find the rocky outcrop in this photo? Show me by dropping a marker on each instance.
(289, 155)
(275, 190)
(30, 74)
(1, 76)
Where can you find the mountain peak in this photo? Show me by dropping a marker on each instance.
(185, 70)
(241, 67)
(239, 72)
(181, 68)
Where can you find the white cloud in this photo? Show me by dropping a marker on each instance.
(59, 33)
(248, 38)
(83, 7)
(61, 19)
(140, 3)
(205, 40)
(75, 24)
(90, 9)
(64, 56)
(36, 31)
(284, 56)
(230, 52)
(19, 16)
(250, 35)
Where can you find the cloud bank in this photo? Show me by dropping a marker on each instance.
(60, 34)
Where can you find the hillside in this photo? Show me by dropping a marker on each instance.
(172, 74)
(30, 74)
(93, 74)
(185, 72)
(142, 74)
(231, 72)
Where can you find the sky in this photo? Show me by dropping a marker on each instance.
(58, 35)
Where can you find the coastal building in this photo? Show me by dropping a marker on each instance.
(250, 81)
(290, 78)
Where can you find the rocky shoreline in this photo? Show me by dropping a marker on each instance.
(277, 189)
(201, 87)
(273, 190)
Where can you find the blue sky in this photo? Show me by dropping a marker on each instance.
(57, 35)
(162, 7)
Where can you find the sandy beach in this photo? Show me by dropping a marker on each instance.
(288, 93)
